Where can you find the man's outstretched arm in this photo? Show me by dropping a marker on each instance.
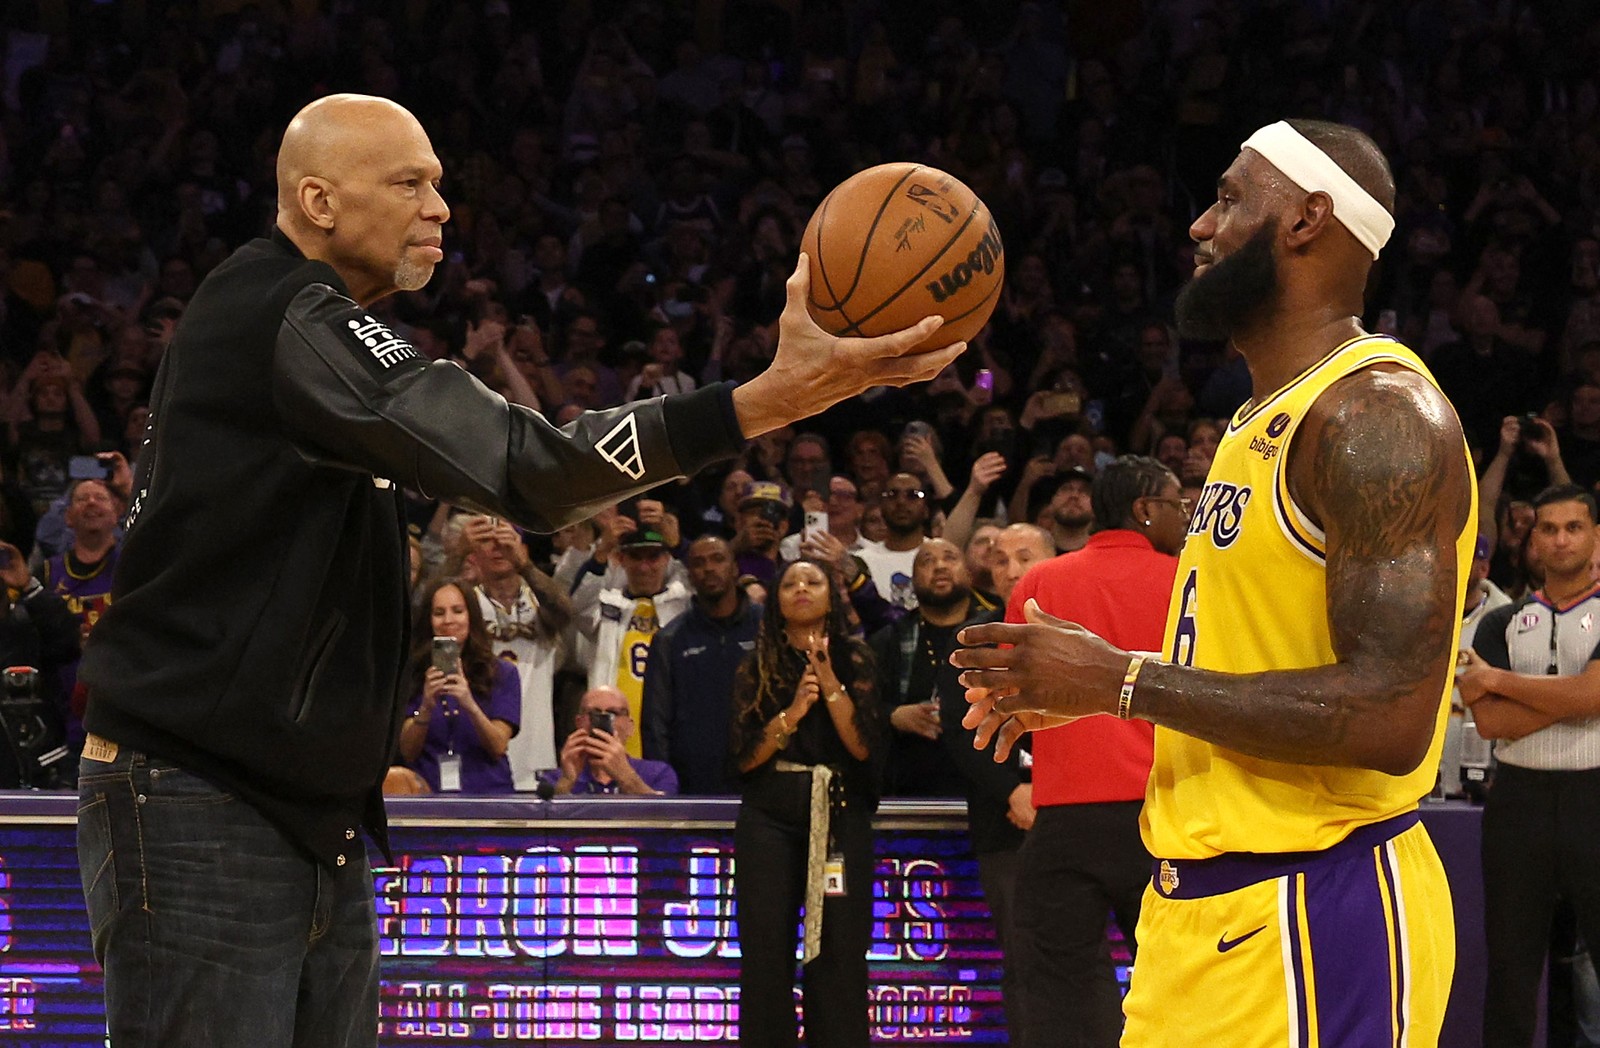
(370, 402)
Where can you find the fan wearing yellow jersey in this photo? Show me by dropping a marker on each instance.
(621, 622)
(1295, 898)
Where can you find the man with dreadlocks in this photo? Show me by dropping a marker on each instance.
(807, 734)
(1083, 858)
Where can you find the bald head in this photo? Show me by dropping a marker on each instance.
(358, 188)
(933, 551)
(601, 696)
(333, 136)
(602, 700)
(1018, 547)
(940, 579)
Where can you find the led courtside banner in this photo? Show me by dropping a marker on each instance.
(602, 921)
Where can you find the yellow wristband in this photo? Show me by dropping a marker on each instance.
(1125, 696)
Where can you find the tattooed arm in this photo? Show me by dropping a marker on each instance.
(1379, 463)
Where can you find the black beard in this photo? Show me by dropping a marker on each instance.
(901, 530)
(1223, 298)
(1074, 521)
(713, 593)
(929, 599)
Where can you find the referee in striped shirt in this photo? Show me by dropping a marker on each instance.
(1533, 682)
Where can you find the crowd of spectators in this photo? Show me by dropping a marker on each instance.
(628, 182)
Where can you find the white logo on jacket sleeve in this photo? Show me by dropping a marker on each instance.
(387, 348)
(620, 447)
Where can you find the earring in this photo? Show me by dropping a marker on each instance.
(1147, 522)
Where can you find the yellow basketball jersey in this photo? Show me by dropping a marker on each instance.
(1251, 596)
(642, 627)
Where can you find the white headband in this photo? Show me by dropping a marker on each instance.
(1316, 172)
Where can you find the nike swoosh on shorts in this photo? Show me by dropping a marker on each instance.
(1224, 944)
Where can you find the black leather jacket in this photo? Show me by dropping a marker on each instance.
(258, 629)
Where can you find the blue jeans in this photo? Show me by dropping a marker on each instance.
(212, 928)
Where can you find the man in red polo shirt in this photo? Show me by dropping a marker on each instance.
(1083, 858)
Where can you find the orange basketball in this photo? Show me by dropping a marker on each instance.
(898, 242)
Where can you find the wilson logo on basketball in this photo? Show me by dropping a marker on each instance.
(982, 259)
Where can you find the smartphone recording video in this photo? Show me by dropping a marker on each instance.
(86, 467)
(446, 654)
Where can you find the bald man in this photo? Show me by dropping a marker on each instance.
(1310, 642)
(931, 754)
(243, 694)
(594, 758)
(1016, 549)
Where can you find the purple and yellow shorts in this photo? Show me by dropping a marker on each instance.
(1351, 947)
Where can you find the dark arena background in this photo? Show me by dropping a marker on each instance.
(629, 181)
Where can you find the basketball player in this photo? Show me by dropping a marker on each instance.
(242, 686)
(1296, 899)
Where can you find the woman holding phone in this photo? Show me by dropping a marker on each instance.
(467, 703)
(807, 736)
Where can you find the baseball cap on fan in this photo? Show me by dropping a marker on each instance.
(764, 491)
(643, 539)
(769, 498)
(1075, 473)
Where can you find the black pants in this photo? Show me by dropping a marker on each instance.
(997, 871)
(769, 887)
(1080, 863)
(1541, 840)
